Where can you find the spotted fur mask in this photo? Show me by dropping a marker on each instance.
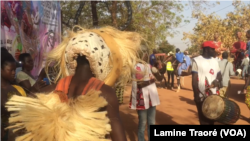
(94, 48)
(112, 54)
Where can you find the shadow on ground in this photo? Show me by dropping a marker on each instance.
(195, 112)
(129, 123)
(245, 118)
(233, 93)
(189, 101)
(236, 77)
(183, 88)
(163, 118)
(131, 128)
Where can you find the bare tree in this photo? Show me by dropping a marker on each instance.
(94, 13)
(113, 13)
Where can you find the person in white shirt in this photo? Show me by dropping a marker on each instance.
(205, 72)
(244, 64)
(227, 70)
(144, 97)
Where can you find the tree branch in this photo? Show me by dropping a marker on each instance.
(78, 12)
(113, 13)
(66, 24)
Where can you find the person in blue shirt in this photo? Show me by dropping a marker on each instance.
(152, 58)
(185, 64)
(179, 56)
(180, 59)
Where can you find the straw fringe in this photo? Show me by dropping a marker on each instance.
(46, 118)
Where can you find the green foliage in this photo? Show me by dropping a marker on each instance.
(207, 25)
(165, 47)
(193, 49)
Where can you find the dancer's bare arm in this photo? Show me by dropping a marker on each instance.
(48, 88)
(117, 133)
(35, 88)
(142, 84)
(219, 76)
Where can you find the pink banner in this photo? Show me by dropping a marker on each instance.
(31, 26)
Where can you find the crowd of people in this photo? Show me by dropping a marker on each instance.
(211, 71)
(17, 79)
(212, 68)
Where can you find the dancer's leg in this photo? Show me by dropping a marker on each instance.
(169, 74)
(142, 115)
(172, 77)
(151, 119)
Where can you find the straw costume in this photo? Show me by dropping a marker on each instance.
(119, 93)
(247, 99)
(112, 55)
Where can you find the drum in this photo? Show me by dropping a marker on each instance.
(220, 109)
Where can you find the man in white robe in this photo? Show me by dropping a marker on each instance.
(205, 72)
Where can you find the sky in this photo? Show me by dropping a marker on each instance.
(222, 9)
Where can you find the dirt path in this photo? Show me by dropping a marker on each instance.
(178, 108)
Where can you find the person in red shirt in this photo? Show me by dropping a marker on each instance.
(219, 46)
(238, 50)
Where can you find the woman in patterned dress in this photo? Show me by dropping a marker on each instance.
(144, 98)
(8, 67)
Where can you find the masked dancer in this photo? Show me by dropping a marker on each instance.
(91, 62)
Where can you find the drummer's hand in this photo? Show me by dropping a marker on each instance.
(216, 83)
(139, 86)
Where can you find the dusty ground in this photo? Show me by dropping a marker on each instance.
(178, 108)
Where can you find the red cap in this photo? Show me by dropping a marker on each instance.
(210, 44)
(247, 55)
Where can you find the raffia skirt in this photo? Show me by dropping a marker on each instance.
(247, 99)
(119, 93)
